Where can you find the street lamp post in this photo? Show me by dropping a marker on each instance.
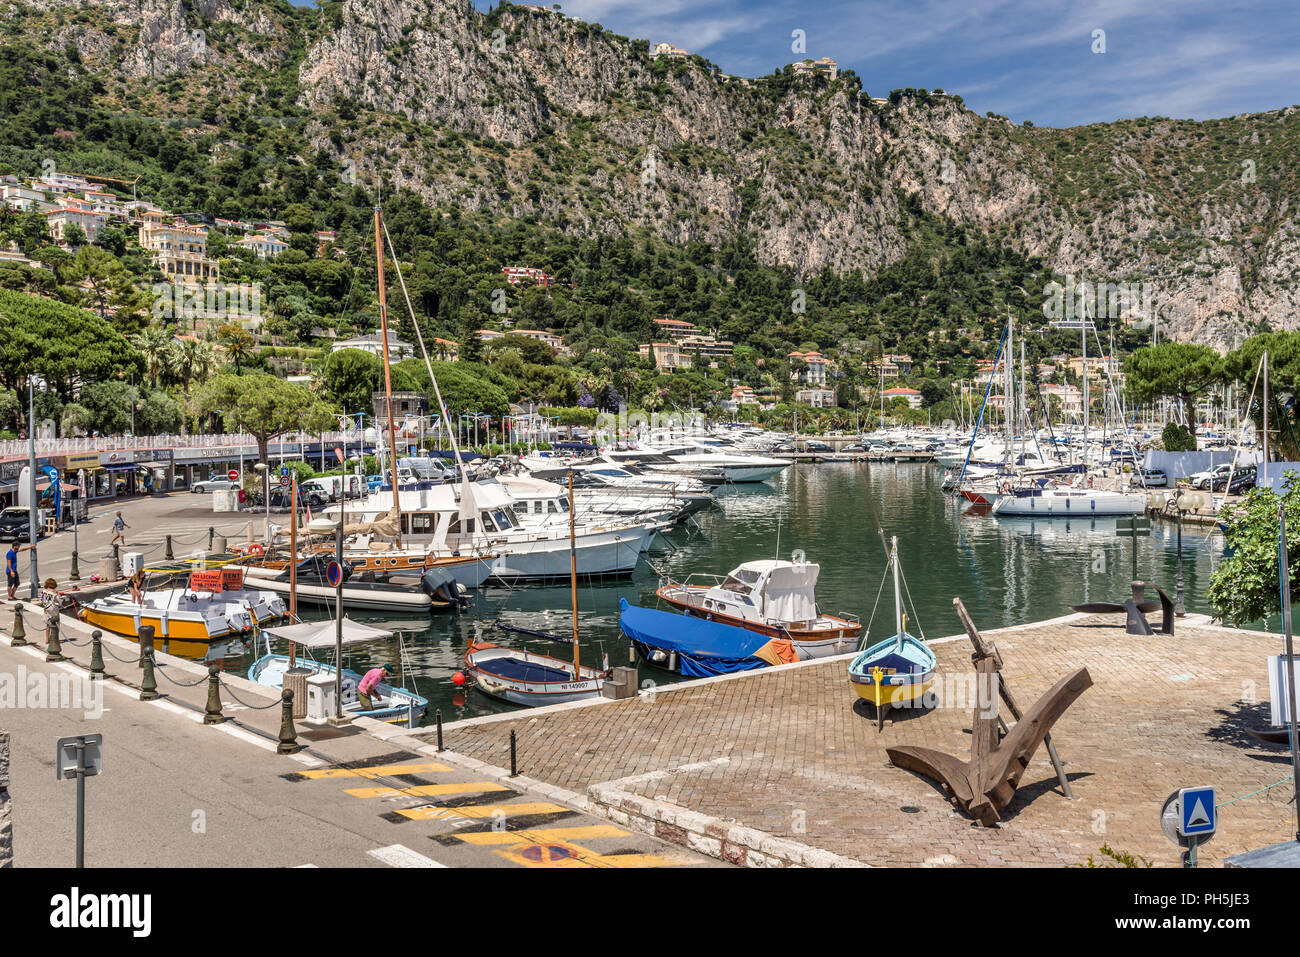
(33, 514)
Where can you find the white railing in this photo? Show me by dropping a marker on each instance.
(17, 448)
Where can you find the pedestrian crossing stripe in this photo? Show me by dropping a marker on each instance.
(479, 811)
(564, 854)
(543, 834)
(427, 790)
(380, 771)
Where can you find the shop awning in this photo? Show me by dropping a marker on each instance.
(153, 465)
(119, 468)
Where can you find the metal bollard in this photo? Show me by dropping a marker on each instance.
(146, 643)
(53, 649)
(514, 770)
(96, 654)
(212, 712)
(117, 557)
(168, 554)
(74, 573)
(149, 686)
(211, 532)
(288, 736)
(20, 627)
(437, 717)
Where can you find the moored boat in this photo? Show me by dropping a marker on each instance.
(772, 597)
(897, 671)
(696, 647)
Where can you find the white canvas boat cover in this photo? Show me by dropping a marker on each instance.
(789, 594)
(322, 634)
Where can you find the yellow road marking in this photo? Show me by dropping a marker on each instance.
(564, 854)
(380, 771)
(426, 790)
(478, 811)
(544, 834)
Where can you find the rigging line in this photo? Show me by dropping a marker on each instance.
(866, 634)
(442, 406)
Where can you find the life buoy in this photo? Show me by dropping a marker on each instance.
(255, 549)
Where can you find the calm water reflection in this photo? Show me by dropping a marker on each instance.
(1006, 570)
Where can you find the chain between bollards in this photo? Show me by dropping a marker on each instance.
(53, 649)
(20, 627)
(212, 712)
(288, 736)
(96, 654)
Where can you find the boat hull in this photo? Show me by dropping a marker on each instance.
(406, 707)
(1082, 505)
(528, 679)
(175, 634)
(837, 638)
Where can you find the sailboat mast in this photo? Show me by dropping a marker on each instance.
(1084, 335)
(573, 581)
(293, 562)
(898, 601)
(388, 372)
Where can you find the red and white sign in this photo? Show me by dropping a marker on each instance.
(233, 475)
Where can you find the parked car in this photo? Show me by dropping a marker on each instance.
(214, 485)
(1150, 478)
(15, 524)
(1205, 480)
(1241, 480)
(280, 498)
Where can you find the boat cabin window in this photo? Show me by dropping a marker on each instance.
(550, 507)
(488, 524)
(503, 520)
(537, 506)
(455, 529)
(423, 523)
(521, 508)
(564, 504)
(741, 581)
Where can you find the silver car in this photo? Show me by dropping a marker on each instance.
(214, 485)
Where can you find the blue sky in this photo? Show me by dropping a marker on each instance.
(1026, 59)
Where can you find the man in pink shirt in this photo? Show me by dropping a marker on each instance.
(367, 686)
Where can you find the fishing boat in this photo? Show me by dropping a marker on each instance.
(897, 671)
(394, 705)
(772, 597)
(696, 647)
(197, 620)
(436, 590)
(529, 678)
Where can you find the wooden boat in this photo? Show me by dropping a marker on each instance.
(434, 591)
(774, 598)
(198, 620)
(897, 671)
(697, 648)
(532, 679)
(399, 706)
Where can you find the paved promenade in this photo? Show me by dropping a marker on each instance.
(178, 793)
(787, 751)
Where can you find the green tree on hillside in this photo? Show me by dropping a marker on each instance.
(1173, 370)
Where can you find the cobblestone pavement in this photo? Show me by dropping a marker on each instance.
(789, 751)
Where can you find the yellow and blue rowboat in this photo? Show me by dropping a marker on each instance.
(892, 673)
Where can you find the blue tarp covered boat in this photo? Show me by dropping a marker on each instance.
(696, 647)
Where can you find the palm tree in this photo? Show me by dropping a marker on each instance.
(154, 345)
(191, 359)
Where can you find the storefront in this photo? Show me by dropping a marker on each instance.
(200, 464)
(157, 472)
(9, 472)
(118, 475)
(79, 469)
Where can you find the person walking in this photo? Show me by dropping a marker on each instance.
(48, 599)
(119, 530)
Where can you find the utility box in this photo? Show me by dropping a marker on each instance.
(132, 562)
(225, 501)
(320, 697)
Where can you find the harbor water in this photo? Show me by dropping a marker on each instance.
(1007, 571)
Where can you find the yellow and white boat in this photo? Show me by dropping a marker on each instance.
(190, 621)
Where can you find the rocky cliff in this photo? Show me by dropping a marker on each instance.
(524, 112)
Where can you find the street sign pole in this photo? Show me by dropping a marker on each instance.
(79, 757)
(1284, 583)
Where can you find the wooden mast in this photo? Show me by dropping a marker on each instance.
(293, 561)
(388, 374)
(573, 583)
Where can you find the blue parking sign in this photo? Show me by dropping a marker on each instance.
(284, 470)
(1197, 815)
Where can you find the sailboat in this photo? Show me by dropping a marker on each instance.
(895, 671)
(532, 679)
